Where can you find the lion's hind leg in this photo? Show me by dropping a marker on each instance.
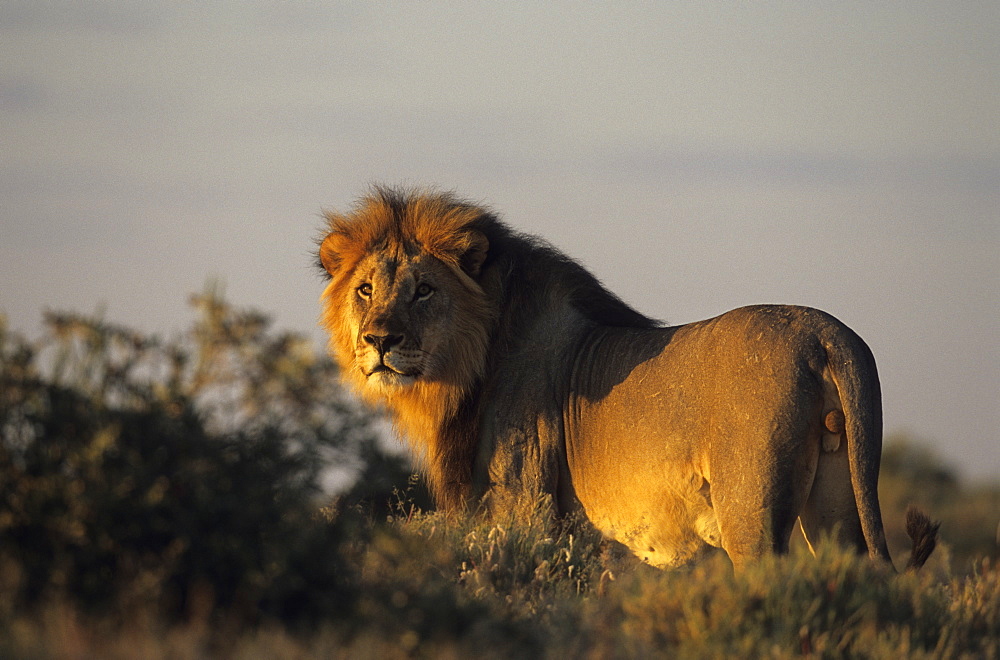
(757, 516)
(830, 507)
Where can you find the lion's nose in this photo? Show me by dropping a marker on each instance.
(383, 343)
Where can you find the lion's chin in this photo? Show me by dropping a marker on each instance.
(385, 379)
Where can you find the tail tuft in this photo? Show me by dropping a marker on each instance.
(923, 532)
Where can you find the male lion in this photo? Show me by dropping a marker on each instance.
(515, 375)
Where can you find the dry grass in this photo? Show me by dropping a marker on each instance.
(427, 587)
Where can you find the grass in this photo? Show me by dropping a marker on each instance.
(425, 586)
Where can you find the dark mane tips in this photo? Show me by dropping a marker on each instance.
(597, 303)
(529, 260)
(472, 237)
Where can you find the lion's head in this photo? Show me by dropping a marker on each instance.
(409, 323)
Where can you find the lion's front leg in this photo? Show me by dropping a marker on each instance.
(517, 473)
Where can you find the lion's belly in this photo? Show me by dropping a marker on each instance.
(665, 519)
(658, 507)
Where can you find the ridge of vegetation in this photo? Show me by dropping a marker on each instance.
(162, 499)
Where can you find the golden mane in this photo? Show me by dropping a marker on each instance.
(392, 220)
(524, 275)
(430, 413)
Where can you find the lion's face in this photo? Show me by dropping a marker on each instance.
(402, 309)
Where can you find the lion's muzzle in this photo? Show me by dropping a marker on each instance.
(384, 359)
(382, 343)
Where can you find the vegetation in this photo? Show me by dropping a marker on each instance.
(161, 499)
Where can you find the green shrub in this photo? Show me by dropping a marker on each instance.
(177, 476)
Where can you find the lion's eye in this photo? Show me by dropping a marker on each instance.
(423, 291)
(365, 290)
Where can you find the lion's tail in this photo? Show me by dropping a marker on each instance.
(852, 366)
(923, 532)
(856, 377)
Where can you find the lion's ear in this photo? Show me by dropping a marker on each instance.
(472, 259)
(331, 252)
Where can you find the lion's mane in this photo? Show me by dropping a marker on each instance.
(518, 276)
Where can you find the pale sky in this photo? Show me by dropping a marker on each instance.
(695, 156)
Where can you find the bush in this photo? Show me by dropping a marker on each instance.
(969, 513)
(179, 476)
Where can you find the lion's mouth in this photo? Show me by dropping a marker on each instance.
(383, 369)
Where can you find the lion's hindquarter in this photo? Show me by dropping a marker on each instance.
(711, 433)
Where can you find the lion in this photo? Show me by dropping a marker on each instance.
(515, 375)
